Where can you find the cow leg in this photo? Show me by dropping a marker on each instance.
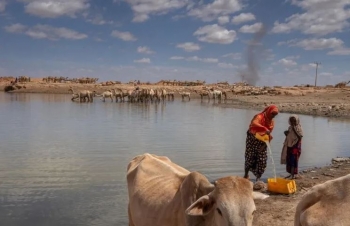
(131, 223)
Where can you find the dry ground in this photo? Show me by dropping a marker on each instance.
(278, 210)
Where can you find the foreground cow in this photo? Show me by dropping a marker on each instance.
(162, 193)
(326, 204)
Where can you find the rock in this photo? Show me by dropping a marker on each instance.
(340, 159)
(260, 186)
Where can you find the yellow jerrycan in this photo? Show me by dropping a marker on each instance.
(277, 185)
(263, 138)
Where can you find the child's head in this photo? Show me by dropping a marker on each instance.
(292, 121)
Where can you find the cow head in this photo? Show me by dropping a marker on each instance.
(231, 203)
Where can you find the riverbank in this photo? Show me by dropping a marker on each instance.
(325, 102)
(279, 210)
(319, 101)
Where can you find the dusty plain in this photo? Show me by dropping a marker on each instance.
(277, 210)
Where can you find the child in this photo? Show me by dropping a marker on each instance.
(292, 146)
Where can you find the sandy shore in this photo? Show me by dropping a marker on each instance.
(321, 101)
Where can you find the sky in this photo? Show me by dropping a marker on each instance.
(267, 42)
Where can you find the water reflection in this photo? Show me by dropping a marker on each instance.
(64, 163)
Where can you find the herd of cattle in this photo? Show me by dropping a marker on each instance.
(144, 94)
(162, 193)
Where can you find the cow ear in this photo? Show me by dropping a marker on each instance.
(259, 196)
(201, 207)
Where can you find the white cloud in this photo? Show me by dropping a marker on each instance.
(287, 62)
(215, 34)
(177, 58)
(205, 60)
(123, 35)
(226, 65)
(234, 56)
(254, 28)
(189, 46)
(289, 42)
(45, 32)
(143, 9)
(317, 44)
(15, 28)
(321, 17)
(223, 19)
(55, 8)
(98, 39)
(336, 45)
(144, 49)
(2, 6)
(215, 9)
(195, 58)
(340, 51)
(243, 17)
(98, 20)
(143, 60)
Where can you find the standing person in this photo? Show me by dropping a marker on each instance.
(292, 146)
(256, 153)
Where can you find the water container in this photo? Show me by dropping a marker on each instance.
(281, 185)
(263, 138)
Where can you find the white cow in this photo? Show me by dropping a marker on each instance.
(106, 94)
(326, 204)
(162, 193)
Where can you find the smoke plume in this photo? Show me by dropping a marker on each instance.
(253, 56)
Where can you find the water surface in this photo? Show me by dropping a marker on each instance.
(64, 163)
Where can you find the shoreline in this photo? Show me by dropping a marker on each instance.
(314, 101)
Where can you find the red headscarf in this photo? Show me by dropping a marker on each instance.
(269, 110)
(263, 121)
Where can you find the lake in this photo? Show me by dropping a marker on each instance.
(64, 163)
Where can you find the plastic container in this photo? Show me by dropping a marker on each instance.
(281, 185)
(263, 138)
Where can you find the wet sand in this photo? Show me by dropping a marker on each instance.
(320, 101)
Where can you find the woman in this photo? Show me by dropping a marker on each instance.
(256, 153)
(292, 146)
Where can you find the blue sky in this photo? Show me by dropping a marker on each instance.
(152, 40)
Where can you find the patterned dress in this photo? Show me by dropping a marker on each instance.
(255, 155)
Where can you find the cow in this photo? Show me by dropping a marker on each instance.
(162, 193)
(326, 204)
